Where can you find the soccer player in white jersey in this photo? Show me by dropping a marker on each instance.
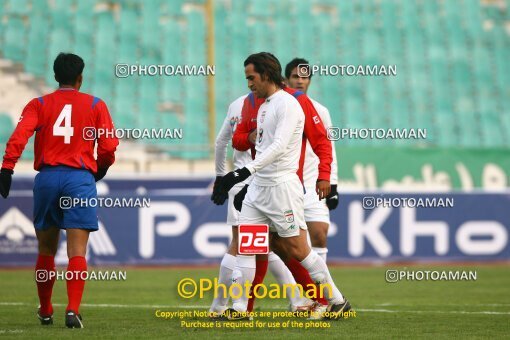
(316, 210)
(275, 195)
(241, 158)
(236, 267)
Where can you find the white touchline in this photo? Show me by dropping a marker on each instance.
(106, 305)
(11, 331)
(13, 304)
(387, 304)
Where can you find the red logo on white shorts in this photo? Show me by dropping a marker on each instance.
(253, 239)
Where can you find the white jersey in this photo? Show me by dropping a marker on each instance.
(311, 166)
(280, 122)
(241, 158)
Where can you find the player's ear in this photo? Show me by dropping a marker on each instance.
(79, 80)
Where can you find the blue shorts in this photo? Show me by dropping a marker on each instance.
(51, 187)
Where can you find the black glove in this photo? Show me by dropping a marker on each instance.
(226, 183)
(332, 198)
(216, 186)
(5, 182)
(101, 172)
(238, 199)
(232, 178)
(217, 196)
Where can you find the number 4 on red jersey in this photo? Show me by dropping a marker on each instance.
(59, 120)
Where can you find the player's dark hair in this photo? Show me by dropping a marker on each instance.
(67, 68)
(267, 65)
(293, 64)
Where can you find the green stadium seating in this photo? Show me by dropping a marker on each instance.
(35, 61)
(18, 7)
(452, 69)
(14, 40)
(150, 43)
(6, 126)
(173, 8)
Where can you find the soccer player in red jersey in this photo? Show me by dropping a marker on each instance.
(316, 210)
(64, 156)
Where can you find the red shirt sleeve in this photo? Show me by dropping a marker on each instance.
(106, 144)
(24, 130)
(315, 132)
(240, 139)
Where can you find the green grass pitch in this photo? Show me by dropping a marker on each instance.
(412, 309)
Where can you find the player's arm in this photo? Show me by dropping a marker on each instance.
(221, 144)
(241, 138)
(17, 142)
(332, 199)
(316, 134)
(106, 144)
(326, 119)
(220, 157)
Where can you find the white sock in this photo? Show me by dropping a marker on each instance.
(243, 272)
(319, 273)
(322, 252)
(219, 304)
(283, 276)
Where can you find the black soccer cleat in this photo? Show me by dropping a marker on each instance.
(45, 320)
(73, 320)
(232, 315)
(214, 316)
(336, 311)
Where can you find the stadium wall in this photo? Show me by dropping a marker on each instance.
(428, 169)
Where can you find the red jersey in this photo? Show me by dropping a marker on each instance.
(314, 131)
(248, 123)
(60, 121)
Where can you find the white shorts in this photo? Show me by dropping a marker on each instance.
(315, 210)
(280, 206)
(233, 214)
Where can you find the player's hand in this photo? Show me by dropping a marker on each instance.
(252, 137)
(101, 172)
(5, 181)
(239, 198)
(322, 188)
(234, 177)
(216, 186)
(332, 199)
(217, 197)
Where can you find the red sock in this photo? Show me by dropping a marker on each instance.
(44, 265)
(302, 277)
(76, 284)
(260, 273)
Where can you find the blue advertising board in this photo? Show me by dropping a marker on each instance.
(182, 226)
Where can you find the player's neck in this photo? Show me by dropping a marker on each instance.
(272, 90)
(68, 87)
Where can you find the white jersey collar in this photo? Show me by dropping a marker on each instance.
(268, 99)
